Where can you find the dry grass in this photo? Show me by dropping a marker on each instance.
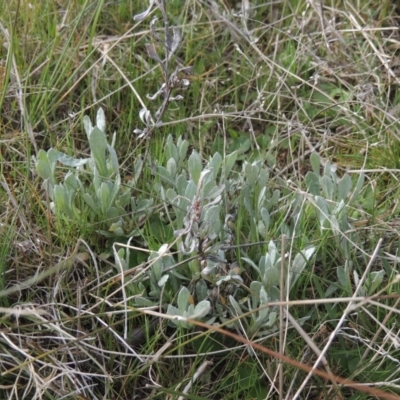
(276, 80)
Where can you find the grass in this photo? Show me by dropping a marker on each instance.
(282, 84)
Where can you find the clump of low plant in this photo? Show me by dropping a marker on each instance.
(91, 192)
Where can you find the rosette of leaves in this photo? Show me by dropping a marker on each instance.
(332, 195)
(194, 197)
(257, 198)
(335, 199)
(266, 289)
(187, 309)
(158, 282)
(91, 191)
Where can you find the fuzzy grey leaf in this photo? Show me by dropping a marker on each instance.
(151, 51)
(144, 14)
(101, 120)
(176, 39)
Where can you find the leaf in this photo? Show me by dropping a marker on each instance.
(181, 184)
(225, 278)
(201, 310)
(246, 193)
(344, 187)
(43, 167)
(215, 191)
(235, 305)
(342, 276)
(315, 163)
(144, 14)
(298, 265)
(255, 288)
(114, 227)
(113, 159)
(201, 290)
(356, 278)
(72, 162)
(191, 190)
(263, 178)
(104, 197)
(212, 216)
(87, 124)
(335, 225)
(251, 262)
(90, 202)
(357, 189)
(138, 165)
(228, 164)
(265, 217)
(98, 146)
(171, 195)
(272, 254)
(274, 199)
(183, 299)
(195, 166)
(101, 120)
(176, 39)
(171, 167)
(324, 212)
(327, 187)
(165, 175)
(331, 290)
(171, 149)
(215, 164)
(157, 268)
(247, 375)
(250, 172)
(71, 182)
(163, 280)
(272, 319)
(183, 148)
(162, 251)
(261, 198)
(271, 277)
(206, 184)
(151, 51)
(312, 182)
(376, 278)
(62, 202)
(114, 190)
(262, 231)
(143, 302)
(97, 181)
(145, 116)
(171, 310)
(112, 214)
(263, 300)
(330, 170)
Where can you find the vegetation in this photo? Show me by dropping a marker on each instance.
(199, 200)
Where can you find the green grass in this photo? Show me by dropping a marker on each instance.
(276, 86)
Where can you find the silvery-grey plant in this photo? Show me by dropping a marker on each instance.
(194, 198)
(335, 200)
(333, 196)
(199, 197)
(266, 288)
(91, 189)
